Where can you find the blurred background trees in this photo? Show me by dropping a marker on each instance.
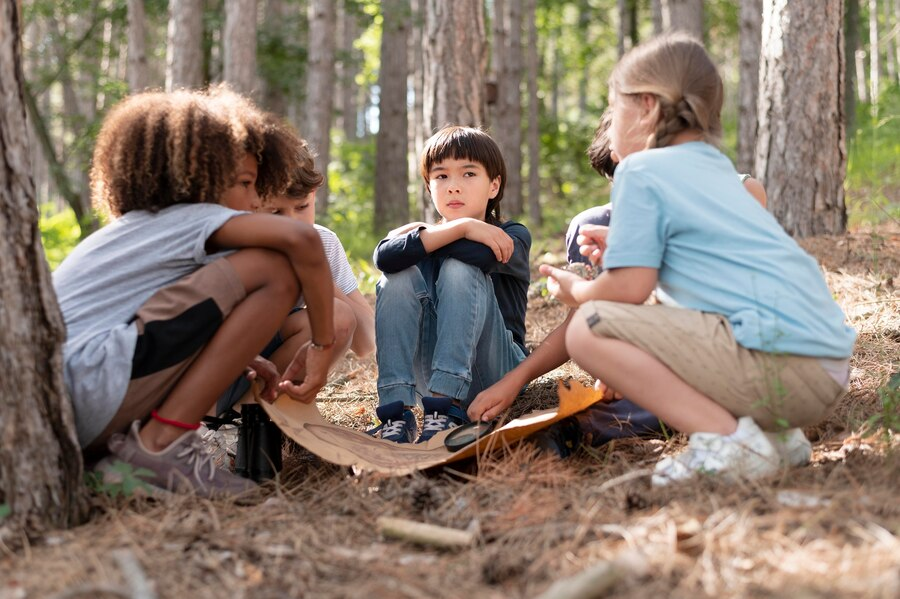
(366, 82)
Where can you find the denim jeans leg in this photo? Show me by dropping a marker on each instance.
(462, 293)
(402, 306)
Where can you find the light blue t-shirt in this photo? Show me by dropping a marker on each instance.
(683, 210)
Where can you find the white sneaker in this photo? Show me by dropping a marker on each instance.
(793, 447)
(744, 454)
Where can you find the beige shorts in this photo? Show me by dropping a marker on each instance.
(779, 391)
(174, 325)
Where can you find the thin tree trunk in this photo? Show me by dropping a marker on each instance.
(507, 129)
(890, 43)
(896, 40)
(534, 132)
(425, 209)
(656, 13)
(391, 195)
(802, 72)
(683, 15)
(874, 54)
(349, 90)
(320, 89)
(750, 25)
(40, 461)
(851, 43)
(138, 78)
(184, 46)
(239, 45)
(623, 34)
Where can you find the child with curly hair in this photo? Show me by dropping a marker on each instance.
(167, 304)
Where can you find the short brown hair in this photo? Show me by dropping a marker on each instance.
(158, 149)
(306, 178)
(467, 143)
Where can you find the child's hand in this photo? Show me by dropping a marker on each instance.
(560, 283)
(609, 394)
(491, 402)
(312, 372)
(493, 237)
(592, 242)
(264, 370)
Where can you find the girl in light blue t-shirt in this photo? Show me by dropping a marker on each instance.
(747, 337)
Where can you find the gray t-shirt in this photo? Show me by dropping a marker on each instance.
(100, 287)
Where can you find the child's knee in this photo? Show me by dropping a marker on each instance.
(344, 321)
(458, 275)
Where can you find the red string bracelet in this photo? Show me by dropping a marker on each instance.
(190, 427)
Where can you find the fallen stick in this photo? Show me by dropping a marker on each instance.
(424, 534)
(587, 584)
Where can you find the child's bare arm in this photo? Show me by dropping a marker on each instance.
(363, 342)
(301, 244)
(627, 285)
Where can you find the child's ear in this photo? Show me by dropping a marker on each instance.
(649, 109)
(495, 187)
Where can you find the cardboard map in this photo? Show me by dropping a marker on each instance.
(350, 447)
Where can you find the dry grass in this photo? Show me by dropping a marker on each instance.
(828, 530)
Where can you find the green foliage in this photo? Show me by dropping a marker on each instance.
(873, 171)
(59, 232)
(5, 511)
(129, 480)
(888, 419)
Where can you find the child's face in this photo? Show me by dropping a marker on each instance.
(461, 188)
(242, 195)
(301, 209)
(629, 129)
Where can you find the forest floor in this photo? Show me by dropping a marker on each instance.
(830, 529)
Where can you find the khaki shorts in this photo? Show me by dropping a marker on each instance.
(174, 325)
(777, 390)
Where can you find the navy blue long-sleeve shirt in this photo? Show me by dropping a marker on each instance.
(510, 279)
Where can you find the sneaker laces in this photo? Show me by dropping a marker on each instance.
(436, 422)
(195, 454)
(392, 427)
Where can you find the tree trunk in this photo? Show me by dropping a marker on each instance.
(349, 95)
(40, 462)
(420, 128)
(320, 89)
(750, 25)
(623, 33)
(507, 125)
(239, 46)
(656, 13)
(874, 55)
(272, 89)
(851, 43)
(138, 78)
(890, 43)
(802, 81)
(391, 195)
(683, 15)
(455, 61)
(534, 132)
(184, 46)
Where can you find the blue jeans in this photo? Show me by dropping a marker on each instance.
(440, 334)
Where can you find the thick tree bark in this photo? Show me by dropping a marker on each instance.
(750, 25)
(683, 15)
(239, 46)
(391, 195)
(40, 462)
(455, 61)
(138, 78)
(184, 47)
(507, 113)
(534, 132)
(320, 89)
(801, 155)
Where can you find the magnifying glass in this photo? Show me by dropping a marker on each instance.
(468, 434)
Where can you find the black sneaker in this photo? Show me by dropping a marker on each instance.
(258, 455)
(398, 423)
(440, 415)
(560, 438)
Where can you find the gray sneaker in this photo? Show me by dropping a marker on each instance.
(185, 466)
(793, 447)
